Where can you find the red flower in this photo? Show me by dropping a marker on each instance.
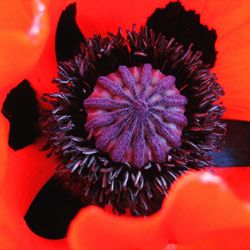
(202, 211)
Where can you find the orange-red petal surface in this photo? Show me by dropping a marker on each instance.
(4, 127)
(16, 235)
(231, 20)
(238, 180)
(201, 206)
(93, 228)
(22, 174)
(46, 67)
(200, 212)
(24, 171)
(21, 166)
(27, 171)
(23, 33)
(99, 17)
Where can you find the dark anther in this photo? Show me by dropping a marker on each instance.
(21, 109)
(68, 35)
(185, 27)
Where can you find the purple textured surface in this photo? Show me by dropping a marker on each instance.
(136, 115)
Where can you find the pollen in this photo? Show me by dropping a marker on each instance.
(136, 115)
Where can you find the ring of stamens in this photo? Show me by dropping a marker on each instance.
(90, 173)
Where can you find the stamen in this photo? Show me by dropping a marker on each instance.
(123, 134)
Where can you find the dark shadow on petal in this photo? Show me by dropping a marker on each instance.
(52, 210)
(21, 109)
(236, 151)
(185, 27)
(68, 35)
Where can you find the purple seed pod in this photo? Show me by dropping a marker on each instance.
(136, 115)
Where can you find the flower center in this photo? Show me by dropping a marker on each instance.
(136, 115)
(134, 118)
(140, 108)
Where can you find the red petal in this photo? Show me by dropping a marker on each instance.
(22, 174)
(202, 206)
(238, 180)
(26, 170)
(231, 20)
(93, 228)
(232, 69)
(16, 235)
(46, 68)
(4, 126)
(24, 165)
(100, 17)
(199, 210)
(23, 33)
(230, 239)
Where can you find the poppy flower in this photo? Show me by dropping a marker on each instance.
(223, 223)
